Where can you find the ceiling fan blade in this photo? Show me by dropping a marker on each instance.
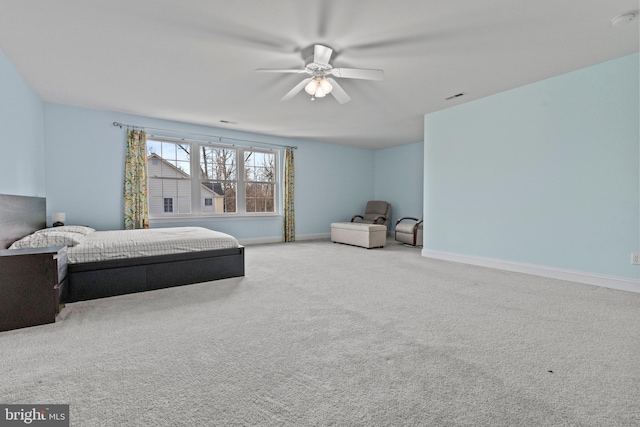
(293, 92)
(322, 54)
(338, 93)
(275, 70)
(358, 73)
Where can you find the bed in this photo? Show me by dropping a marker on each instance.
(109, 263)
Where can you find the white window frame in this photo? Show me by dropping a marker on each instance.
(197, 203)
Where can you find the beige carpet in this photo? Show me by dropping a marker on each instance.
(323, 334)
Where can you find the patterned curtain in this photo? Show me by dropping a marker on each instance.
(289, 213)
(136, 212)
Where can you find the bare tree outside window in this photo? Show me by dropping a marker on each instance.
(259, 177)
(218, 171)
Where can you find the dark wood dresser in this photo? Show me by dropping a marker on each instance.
(31, 282)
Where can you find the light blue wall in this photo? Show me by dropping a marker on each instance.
(85, 163)
(21, 135)
(399, 179)
(546, 174)
(333, 183)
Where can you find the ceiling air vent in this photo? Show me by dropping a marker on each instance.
(457, 95)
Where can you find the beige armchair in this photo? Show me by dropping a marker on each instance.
(409, 231)
(375, 212)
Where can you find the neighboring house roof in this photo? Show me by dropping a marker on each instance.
(210, 187)
(181, 172)
(216, 187)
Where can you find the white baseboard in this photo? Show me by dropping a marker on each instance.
(261, 241)
(299, 238)
(314, 236)
(537, 270)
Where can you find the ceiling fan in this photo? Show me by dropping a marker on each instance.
(322, 72)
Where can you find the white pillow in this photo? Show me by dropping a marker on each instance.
(67, 228)
(45, 240)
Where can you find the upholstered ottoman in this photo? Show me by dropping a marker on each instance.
(359, 234)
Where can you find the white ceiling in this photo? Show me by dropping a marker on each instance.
(194, 60)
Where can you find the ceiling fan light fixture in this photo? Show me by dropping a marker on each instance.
(326, 86)
(311, 87)
(320, 93)
(319, 87)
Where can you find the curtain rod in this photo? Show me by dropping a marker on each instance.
(120, 125)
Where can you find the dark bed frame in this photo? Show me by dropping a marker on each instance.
(91, 280)
(21, 215)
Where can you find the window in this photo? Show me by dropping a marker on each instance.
(169, 177)
(218, 173)
(232, 181)
(168, 204)
(259, 169)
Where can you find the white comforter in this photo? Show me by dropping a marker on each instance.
(118, 244)
(85, 244)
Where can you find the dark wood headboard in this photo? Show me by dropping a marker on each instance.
(19, 216)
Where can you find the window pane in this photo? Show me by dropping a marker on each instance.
(270, 190)
(206, 163)
(168, 151)
(266, 174)
(270, 206)
(184, 167)
(258, 158)
(251, 189)
(251, 205)
(230, 197)
(153, 147)
(163, 194)
(259, 166)
(218, 163)
(212, 194)
(249, 173)
(183, 152)
(169, 169)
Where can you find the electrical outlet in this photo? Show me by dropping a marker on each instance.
(635, 258)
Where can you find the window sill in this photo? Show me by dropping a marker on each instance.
(214, 218)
